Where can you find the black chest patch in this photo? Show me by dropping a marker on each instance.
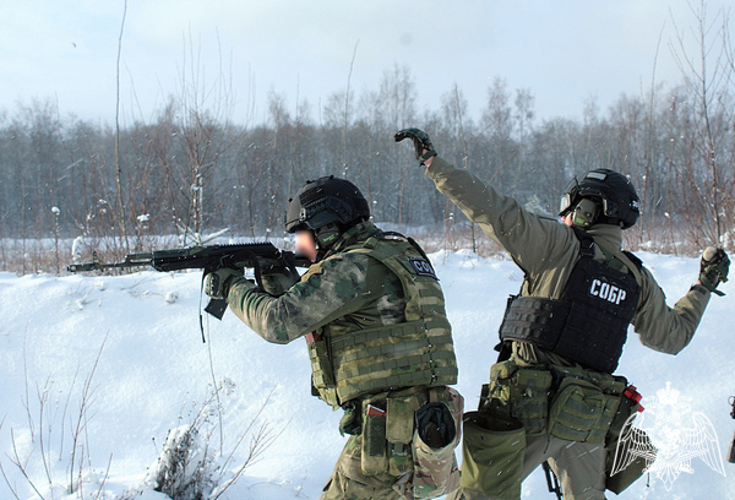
(422, 267)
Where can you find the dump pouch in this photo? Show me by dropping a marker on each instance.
(493, 449)
(437, 434)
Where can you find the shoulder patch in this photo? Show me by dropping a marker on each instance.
(422, 267)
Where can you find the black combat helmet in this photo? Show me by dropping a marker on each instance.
(615, 195)
(324, 202)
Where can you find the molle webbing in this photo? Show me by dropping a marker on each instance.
(535, 320)
(399, 356)
(351, 362)
(589, 323)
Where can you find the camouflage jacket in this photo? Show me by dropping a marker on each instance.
(547, 251)
(350, 286)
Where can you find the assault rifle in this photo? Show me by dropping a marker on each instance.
(209, 258)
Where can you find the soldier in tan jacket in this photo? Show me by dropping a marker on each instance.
(552, 397)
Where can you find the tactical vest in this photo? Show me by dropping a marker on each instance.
(348, 362)
(589, 323)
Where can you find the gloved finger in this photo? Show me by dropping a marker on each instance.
(212, 284)
(725, 264)
(267, 265)
(723, 257)
(405, 134)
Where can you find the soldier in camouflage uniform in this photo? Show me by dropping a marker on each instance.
(372, 313)
(552, 397)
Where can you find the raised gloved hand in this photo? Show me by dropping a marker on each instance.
(421, 141)
(217, 283)
(713, 269)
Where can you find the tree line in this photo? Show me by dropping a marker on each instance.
(193, 169)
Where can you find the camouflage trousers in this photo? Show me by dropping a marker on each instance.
(349, 483)
(419, 471)
(580, 468)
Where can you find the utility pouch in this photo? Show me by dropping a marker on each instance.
(493, 450)
(387, 432)
(519, 392)
(632, 472)
(626, 408)
(580, 411)
(399, 433)
(437, 434)
(629, 405)
(374, 459)
(400, 419)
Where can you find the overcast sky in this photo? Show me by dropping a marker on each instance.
(564, 51)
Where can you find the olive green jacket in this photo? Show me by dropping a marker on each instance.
(350, 287)
(547, 251)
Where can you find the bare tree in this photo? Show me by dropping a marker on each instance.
(706, 75)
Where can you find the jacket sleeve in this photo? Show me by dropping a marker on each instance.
(661, 327)
(532, 241)
(318, 299)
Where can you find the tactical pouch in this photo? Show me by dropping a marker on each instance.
(435, 466)
(625, 409)
(374, 458)
(387, 432)
(624, 478)
(581, 411)
(519, 392)
(493, 450)
(399, 433)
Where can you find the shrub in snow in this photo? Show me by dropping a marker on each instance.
(188, 468)
(185, 469)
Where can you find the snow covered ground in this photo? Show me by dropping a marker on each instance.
(154, 375)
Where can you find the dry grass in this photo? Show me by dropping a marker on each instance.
(39, 256)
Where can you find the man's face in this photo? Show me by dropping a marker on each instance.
(567, 219)
(306, 245)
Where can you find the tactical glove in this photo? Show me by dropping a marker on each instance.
(421, 142)
(713, 269)
(276, 277)
(217, 283)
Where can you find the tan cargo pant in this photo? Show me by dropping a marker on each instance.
(349, 483)
(580, 468)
